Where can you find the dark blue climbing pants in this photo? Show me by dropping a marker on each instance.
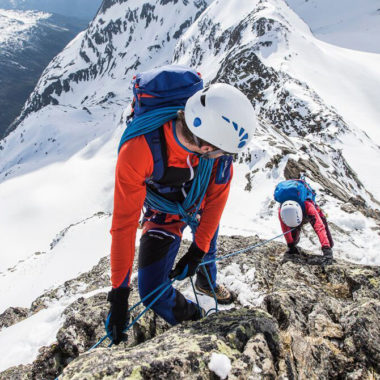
(157, 253)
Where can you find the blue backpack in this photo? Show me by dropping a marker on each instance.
(158, 95)
(165, 86)
(294, 190)
(155, 91)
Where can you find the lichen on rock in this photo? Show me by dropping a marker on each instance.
(313, 321)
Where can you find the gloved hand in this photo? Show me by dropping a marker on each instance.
(327, 252)
(118, 316)
(188, 264)
(292, 250)
(327, 255)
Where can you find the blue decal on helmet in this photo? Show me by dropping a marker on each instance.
(241, 132)
(197, 122)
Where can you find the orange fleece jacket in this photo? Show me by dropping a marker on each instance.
(134, 166)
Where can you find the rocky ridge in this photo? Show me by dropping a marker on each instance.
(299, 133)
(112, 47)
(312, 321)
(301, 128)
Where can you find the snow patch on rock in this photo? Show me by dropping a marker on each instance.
(220, 364)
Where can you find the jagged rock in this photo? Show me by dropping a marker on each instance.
(84, 324)
(314, 321)
(362, 333)
(348, 208)
(294, 169)
(13, 315)
(184, 352)
(21, 372)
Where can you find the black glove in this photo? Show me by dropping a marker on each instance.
(118, 316)
(327, 255)
(292, 250)
(188, 264)
(327, 252)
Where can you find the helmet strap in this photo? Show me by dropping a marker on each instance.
(197, 142)
(208, 155)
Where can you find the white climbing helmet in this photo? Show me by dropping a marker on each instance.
(221, 115)
(291, 213)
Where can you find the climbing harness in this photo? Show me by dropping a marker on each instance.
(166, 285)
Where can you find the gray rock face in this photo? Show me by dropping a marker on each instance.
(313, 321)
(184, 352)
(13, 315)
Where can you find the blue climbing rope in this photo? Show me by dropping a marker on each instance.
(244, 249)
(188, 210)
(148, 122)
(166, 285)
(195, 293)
(212, 290)
(195, 196)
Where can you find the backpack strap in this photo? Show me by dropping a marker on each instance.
(165, 179)
(157, 146)
(311, 192)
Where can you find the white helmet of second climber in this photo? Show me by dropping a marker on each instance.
(291, 213)
(222, 116)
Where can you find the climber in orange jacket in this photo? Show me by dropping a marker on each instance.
(207, 127)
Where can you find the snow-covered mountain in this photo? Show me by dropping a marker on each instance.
(317, 104)
(28, 42)
(83, 9)
(351, 24)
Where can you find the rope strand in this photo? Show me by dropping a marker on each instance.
(188, 210)
(168, 284)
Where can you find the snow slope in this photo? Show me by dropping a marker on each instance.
(29, 335)
(347, 23)
(310, 85)
(352, 81)
(350, 85)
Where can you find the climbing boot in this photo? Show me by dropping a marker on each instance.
(223, 295)
(292, 250)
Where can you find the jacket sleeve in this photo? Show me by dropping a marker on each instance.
(285, 229)
(317, 223)
(214, 203)
(133, 166)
